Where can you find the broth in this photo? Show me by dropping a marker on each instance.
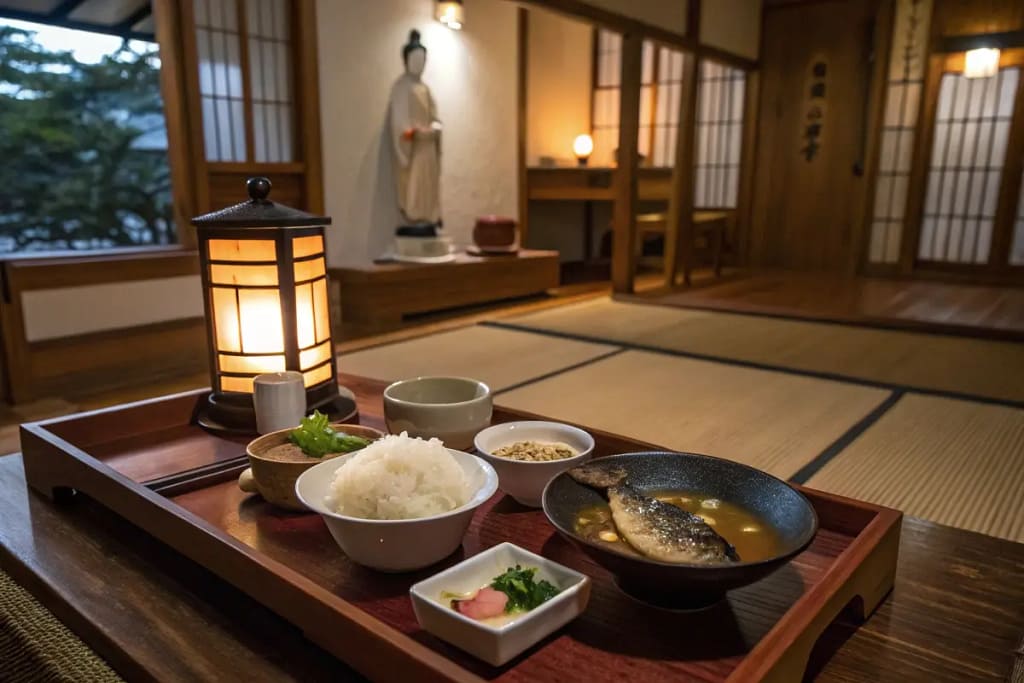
(753, 539)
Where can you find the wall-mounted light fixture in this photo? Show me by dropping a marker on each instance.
(451, 13)
(981, 62)
(583, 147)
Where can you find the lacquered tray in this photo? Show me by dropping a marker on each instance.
(152, 465)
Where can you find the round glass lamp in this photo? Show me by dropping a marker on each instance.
(583, 147)
(264, 276)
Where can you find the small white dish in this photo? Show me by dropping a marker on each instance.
(498, 644)
(525, 480)
(397, 545)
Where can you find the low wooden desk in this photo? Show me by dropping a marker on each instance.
(589, 184)
(376, 297)
(956, 613)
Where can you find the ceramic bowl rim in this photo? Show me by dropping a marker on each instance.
(490, 487)
(796, 549)
(587, 437)
(434, 406)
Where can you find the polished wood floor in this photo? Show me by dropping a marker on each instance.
(975, 310)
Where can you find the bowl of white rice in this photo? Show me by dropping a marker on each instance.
(399, 504)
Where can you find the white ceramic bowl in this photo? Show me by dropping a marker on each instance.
(498, 644)
(452, 409)
(397, 545)
(525, 480)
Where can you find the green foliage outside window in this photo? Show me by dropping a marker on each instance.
(83, 160)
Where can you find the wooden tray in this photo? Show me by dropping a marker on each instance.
(149, 463)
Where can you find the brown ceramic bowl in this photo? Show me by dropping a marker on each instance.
(274, 479)
(495, 233)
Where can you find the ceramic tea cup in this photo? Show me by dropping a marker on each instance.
(452, 409)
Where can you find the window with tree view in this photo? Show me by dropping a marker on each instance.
(83, 141)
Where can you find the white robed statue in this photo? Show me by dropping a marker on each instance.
(416, 139)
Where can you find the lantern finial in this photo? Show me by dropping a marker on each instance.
(259, 188)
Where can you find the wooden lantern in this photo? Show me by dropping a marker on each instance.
(264, 276)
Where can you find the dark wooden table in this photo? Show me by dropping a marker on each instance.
(956, 614)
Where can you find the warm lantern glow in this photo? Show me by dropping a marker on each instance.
(583, 147)
(981, 63)
(246, 300)
(450, 13)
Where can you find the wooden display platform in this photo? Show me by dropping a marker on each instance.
(377, 297)
(150, 464)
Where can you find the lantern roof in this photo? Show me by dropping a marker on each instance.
(258, 212)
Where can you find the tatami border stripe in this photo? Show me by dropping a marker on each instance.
(804, 474)
(559, 371)
(995, 334)
(835, 377)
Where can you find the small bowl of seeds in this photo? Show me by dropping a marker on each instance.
(528, 454)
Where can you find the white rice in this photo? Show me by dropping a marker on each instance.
(398, 477)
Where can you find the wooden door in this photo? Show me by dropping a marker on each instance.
(808, 186)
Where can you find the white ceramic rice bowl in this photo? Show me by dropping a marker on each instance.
(397, 545)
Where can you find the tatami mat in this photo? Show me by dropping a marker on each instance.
(948, 461)
(961, 365)
(501, 358)
(774, 421)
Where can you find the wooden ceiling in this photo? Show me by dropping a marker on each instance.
(124, 18)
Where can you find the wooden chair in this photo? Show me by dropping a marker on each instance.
(708, 234)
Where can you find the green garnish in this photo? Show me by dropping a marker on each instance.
(316, 438)
(524, 593)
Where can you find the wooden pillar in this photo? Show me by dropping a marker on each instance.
(679, 232)
(624, 209)
(523, 26)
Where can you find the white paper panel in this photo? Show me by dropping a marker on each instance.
(70, 311)
(968, 151)
(903, 96)
(1017, 246)
(719, 135)
(220, 79)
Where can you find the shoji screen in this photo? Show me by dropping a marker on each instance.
(719, 135)
(902, 100)
(218, 45)
(666, 112)
(661, 75)
(269, 73)
(972, 126)
(605, 111)
(244, 53)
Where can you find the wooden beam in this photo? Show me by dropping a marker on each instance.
(523, 27)
(1004, 40)
(727, 58)
(917, 182)
(307, 84)
(126, 24)
(1009, 191)
(180, 153)
(679, 235)
(199, 171)
(244, 65)
(748, 156)
(625, 183)
(874, 120)
(619, 23)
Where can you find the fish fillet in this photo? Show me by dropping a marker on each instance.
(665, 532)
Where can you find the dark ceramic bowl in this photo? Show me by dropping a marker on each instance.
(688, 586)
